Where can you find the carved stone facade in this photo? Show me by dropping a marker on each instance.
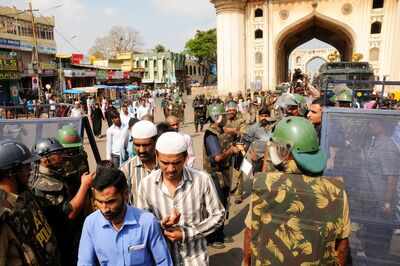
(282, 25)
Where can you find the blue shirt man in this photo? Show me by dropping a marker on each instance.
(118, 234)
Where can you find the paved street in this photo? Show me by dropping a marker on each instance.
(232, 254)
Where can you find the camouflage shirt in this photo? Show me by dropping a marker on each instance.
(296, 219)
(25, 236)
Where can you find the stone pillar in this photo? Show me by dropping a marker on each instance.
(231, 45)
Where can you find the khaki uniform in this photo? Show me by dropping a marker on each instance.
(25, 236)
(54, 190)
(236, 174)
(296, 219)
(222, 171)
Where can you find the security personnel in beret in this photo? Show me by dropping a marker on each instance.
(61, 207)
(25, 235)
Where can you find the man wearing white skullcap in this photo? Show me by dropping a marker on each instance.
(174, 124)
(144, 134)
(184, 199)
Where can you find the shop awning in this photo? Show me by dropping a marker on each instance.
(132, 87)
(72, 91)
(87, 89)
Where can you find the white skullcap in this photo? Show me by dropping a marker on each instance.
(171, 143)
(143, 130)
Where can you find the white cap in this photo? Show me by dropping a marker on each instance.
(171, 143)
(143, 130)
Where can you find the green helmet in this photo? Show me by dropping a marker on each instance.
(299, 99)
(345, 96)
(215, 110)
(301, 136)
(69, 137)
(231, 105)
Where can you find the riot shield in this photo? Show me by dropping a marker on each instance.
(363, 147)
(29, 131)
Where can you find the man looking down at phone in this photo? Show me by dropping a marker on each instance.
(183, 199)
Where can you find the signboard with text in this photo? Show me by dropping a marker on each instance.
(8, 64)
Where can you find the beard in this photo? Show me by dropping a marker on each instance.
(115, 214)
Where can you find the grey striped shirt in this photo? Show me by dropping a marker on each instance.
(196, 200)
(134, 171)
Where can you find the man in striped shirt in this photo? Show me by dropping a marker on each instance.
(144, 134)
(183, 199)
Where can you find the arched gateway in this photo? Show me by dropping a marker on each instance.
(248, 30)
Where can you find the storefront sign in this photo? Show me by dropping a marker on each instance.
(115, 75)
(24, 46)
(8, 64)
(47, 66)
(79, 73)
(7, 43)
(77, 59)
(9, 75)
(101, 74)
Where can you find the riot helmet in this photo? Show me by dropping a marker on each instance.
(69, 137)
(297, 136)
(46, 146)
(215, 111)
(14, 154)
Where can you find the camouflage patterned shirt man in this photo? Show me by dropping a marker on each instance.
(296, 219)
(25, 236)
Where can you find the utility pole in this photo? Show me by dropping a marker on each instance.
(35, 53)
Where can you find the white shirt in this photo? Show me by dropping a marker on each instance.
(76, 112)
(52, 105)
(113, 144)
(191, 157)
(142, 111)
(125, 119)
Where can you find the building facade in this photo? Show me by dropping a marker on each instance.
(162, 69)
(196, 74)
(301, 58)
(17, 43)
(256, 37)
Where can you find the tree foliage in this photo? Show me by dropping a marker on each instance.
(159, 48)
(203, 46)
(118, 40)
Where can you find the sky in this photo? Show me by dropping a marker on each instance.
(80, 22)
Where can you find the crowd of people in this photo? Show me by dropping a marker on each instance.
(146, 204)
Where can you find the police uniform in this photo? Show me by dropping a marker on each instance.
(200, 109)
(25, 236)
(237, 176)
(296, 219)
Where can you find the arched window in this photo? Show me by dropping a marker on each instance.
(376, 27)
(374, 54)
(258, 34)
(259, 58)
(258, 13)
(298, 60)
(377, 4)
(146, 64)
(187, 70)
(190, 71)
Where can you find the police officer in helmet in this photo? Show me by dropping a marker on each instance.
(217, 154)
(25, 235)
(62, 207)
(297, 216)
